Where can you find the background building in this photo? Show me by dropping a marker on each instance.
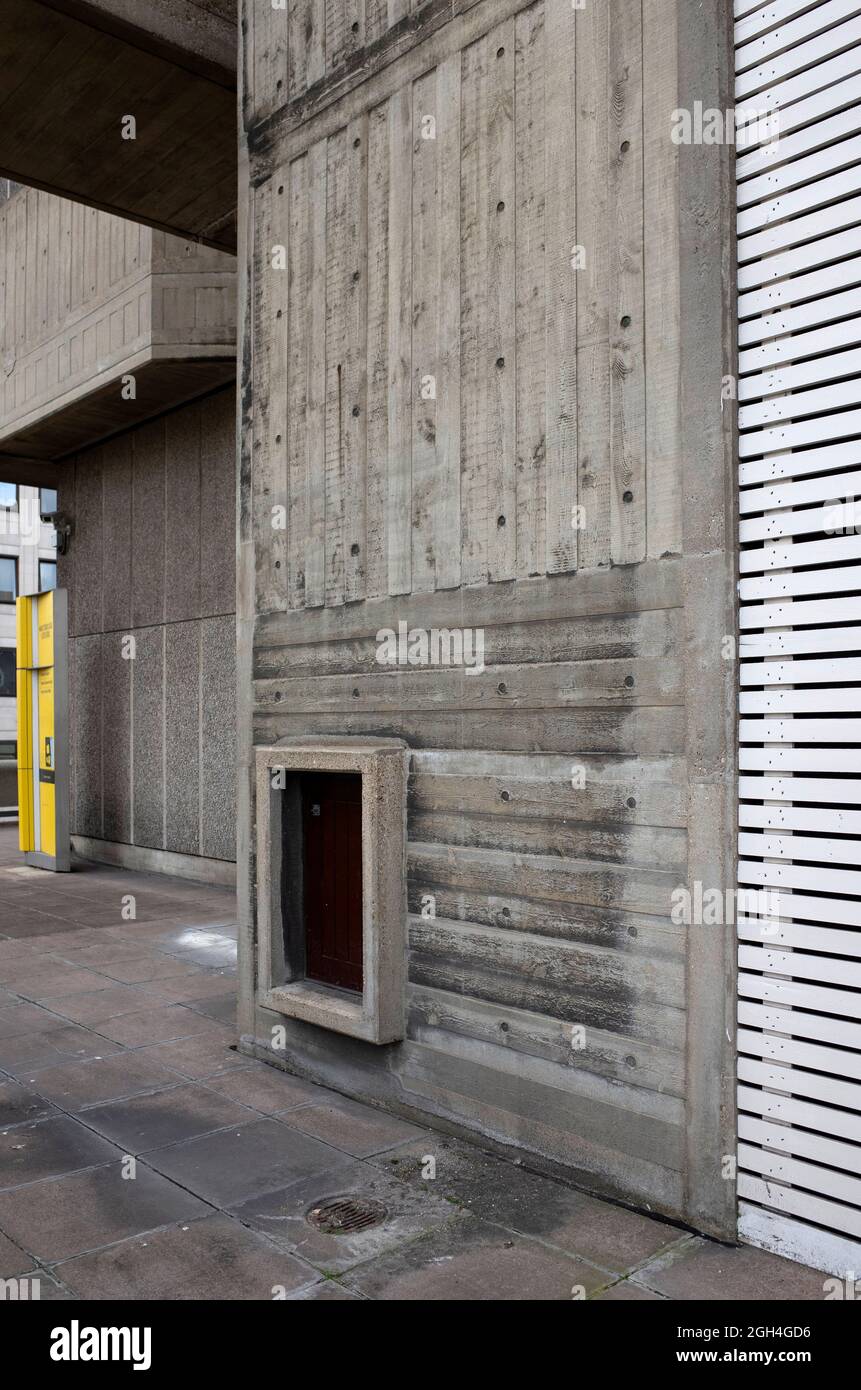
(28, 565)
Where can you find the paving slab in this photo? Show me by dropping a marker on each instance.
(221, 1007)
(59, 1044)
(327, 1291)
(18, 1104)
(211, 1258)
(703, 1269)
(283, 1216)
(471, 1260)
(157, 1025)
(197, 1059)
(236, 1165)
(19, 1018)
(267, 1089)
(47, 1148)
(100, 1005)
(167, 1117)
(67, 1216)
(13, 1260)
(58, 981)
(348, 1125)
(506, 1193)
(79, 1084)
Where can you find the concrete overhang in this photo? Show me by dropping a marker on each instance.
(129, 323)
(71, 71)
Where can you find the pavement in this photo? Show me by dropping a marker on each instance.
(141, 1157)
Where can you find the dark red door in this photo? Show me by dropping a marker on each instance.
(332, 818)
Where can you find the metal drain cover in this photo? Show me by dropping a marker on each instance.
(341, 1216)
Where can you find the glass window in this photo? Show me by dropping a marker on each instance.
(47, 499)
(8, 748)
(8, 578)
(47, 575)
(8, 683)
(8, 494)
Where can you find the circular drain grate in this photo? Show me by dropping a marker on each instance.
(341, 1216)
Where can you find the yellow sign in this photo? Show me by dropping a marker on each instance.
(43, 735)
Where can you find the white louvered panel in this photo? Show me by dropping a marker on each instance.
(799, 479)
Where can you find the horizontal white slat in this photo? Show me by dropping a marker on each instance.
(805, 876)
(803, 232)
(802, 612)
(820, 1210)
(817, 285)
(773, 1047)
(799, 200)
(831, 550)
(798, 523)
(760, 17)
(845, 699)
(840, 1032)
(828, 819)
(801, 375)
(825, 913)
(795, 994)
(775, 181)
(797, 936)
(802, 128)
(819, 849)
(798, 347)
(799, 1112)
(836, 730)
(841, 395)
(761, 78)
(782, 1141)
(797, 966)
(799, 759)
(782, 1235)
(786, 31)
(800, 1083)
(793, 644)
(798, 583)
(825, 487)
(825, 1182)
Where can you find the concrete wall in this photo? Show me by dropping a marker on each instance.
(151, 558)
(506, 296)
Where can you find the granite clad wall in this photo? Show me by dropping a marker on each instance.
(152, 557)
